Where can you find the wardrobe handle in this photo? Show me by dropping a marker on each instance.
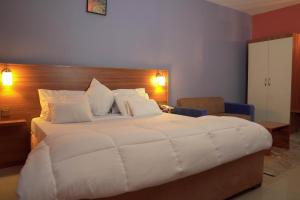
(269, 82)
(266, 82)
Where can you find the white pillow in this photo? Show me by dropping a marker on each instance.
(52, 100)
(67, 99)
(122, 102)
(142, 92)
(127, 92)
(100, 97)
(139, 91)
(44, 95)
(70, 112)
(140, 108)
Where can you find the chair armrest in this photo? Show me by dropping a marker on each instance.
(239, 108)
(189, 112)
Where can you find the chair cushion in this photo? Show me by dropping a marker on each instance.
(247, 117)
(214, 105)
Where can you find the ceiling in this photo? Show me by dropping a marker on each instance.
(253, 7)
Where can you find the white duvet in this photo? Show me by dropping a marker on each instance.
(107, 158)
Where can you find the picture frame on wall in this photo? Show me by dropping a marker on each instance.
(97, 7)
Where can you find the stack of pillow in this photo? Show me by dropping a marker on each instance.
(64, 106)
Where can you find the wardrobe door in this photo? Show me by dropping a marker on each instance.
(280, 74)
(257, 82)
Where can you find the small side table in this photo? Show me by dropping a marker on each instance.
(14, 142)
(280, 133)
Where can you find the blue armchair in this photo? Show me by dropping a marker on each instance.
(240, 109)
(197, 107)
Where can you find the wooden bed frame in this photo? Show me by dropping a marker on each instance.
(219, 183)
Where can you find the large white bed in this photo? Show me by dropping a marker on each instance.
(115, 155)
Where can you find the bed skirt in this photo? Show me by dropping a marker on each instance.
(218, 183)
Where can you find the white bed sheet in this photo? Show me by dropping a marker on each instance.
(40, 128)
(105, 158)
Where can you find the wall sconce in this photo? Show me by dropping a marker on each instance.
(7, 78)
(160, 79)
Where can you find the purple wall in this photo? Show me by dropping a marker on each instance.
(203, 45)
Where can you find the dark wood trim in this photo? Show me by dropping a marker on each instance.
(295, 122)
(271, 126)
(295, 100)
(295, 104)
(271, 38)
(12, 122)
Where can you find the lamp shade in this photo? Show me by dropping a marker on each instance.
(160, 79)
(7, 78)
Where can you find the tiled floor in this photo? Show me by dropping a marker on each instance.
(285, 164)
(285, 186)
(8, 182)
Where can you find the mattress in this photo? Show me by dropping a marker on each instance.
(105, 158)
(40, 128)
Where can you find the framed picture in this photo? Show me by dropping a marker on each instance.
(97, 6)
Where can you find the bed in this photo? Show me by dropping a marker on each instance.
(119, 155)
(171, 157)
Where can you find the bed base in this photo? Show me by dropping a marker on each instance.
(219, 183)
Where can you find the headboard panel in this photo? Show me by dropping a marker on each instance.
(22, 98)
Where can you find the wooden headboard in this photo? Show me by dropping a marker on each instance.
(22, 98)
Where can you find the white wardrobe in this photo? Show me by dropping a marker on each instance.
(270, 74)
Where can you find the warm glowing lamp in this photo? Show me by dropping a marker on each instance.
(7, 78)
(160, 79)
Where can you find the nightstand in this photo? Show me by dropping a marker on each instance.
(280, 134)
(14, 142)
